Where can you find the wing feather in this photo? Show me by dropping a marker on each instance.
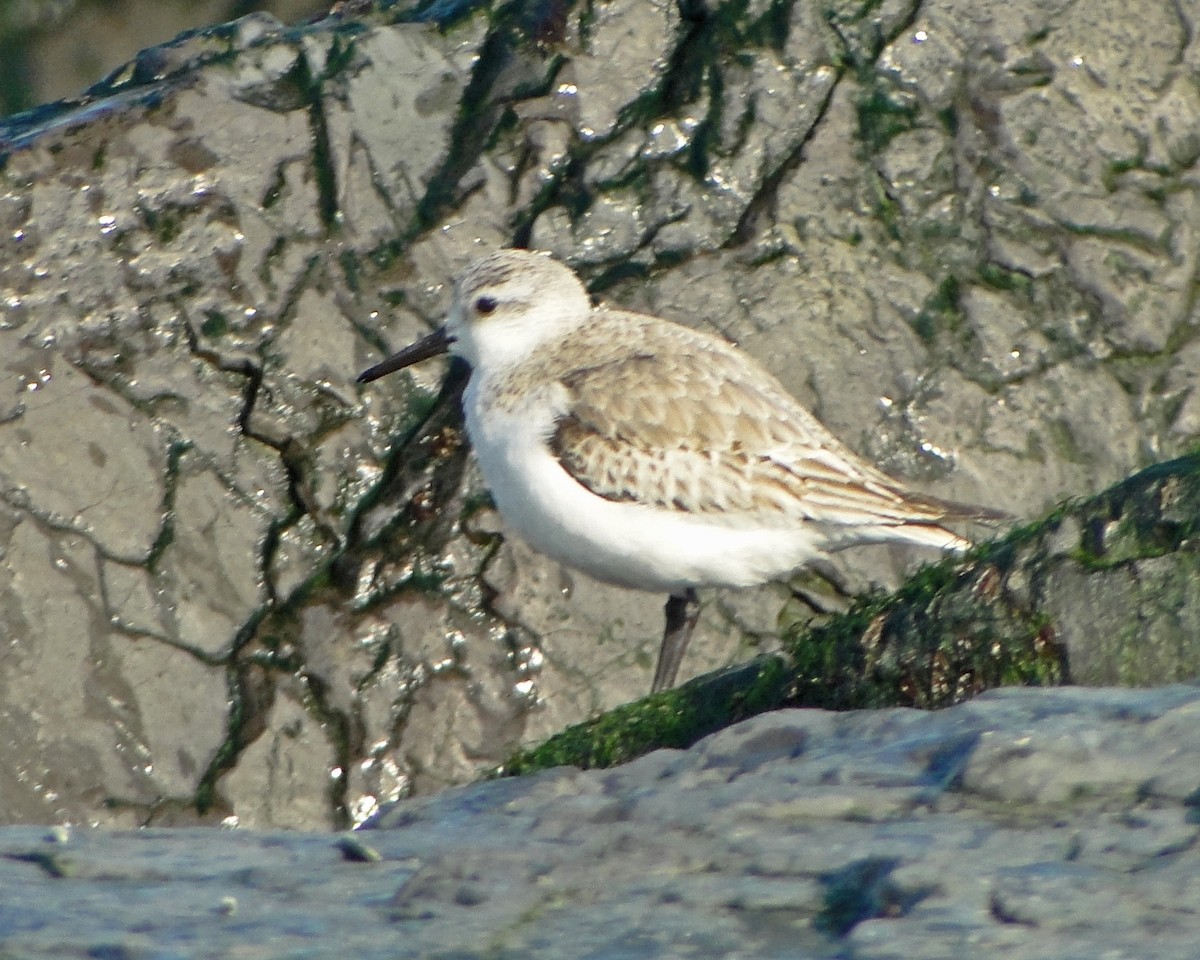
(705, 430)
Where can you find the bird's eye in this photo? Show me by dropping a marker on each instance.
(485, 305)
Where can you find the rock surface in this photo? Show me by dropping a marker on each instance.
(238, 588)
(1039, 824)
(56, 48)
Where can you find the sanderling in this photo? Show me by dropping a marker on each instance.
(651, 455)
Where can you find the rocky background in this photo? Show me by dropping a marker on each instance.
(50, 49)
(239, 588)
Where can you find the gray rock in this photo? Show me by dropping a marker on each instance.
(1028, 823)
(239, 588)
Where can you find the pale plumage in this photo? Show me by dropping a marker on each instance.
(652, 455)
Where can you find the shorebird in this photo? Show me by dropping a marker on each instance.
(651, 455)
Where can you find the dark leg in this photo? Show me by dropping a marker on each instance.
(682, 614)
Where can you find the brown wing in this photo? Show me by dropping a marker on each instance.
(708, 431)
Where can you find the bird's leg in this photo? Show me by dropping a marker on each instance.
(682, 614)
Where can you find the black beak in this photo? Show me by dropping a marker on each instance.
(430, 346)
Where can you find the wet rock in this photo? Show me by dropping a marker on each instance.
(238, 587)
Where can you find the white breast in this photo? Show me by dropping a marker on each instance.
(623, 543)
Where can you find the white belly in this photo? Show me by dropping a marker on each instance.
(622, 543)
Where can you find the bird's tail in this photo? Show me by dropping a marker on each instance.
(924, 527)
(927, 535)
(938, 510)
